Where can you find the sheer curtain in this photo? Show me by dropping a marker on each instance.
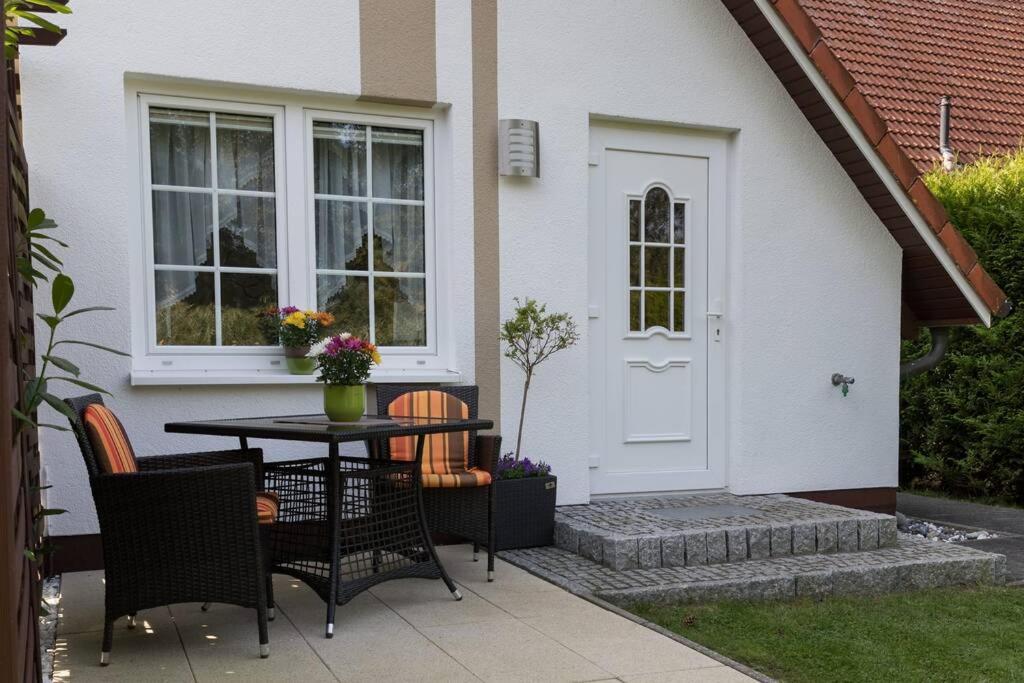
(182, 221)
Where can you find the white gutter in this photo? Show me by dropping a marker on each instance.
(867, 149)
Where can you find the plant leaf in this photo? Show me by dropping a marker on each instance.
(47, 253)
(62, 290)
(23, 417)
(50, 511)
(51, 320)
(49, 425)
(84, 384)
(64, 364)
(87, 310)
(95, 346)
(58, 405)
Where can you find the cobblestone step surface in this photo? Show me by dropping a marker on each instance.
(715, 528)
(912, 564)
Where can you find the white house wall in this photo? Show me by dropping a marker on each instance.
(813, 276)
(82, 173)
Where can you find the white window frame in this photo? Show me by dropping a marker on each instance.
(426, 128)
(296, 260)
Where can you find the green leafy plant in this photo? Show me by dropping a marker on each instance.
(54, 368)
(531, 336)
(962, 424)
(22, 19)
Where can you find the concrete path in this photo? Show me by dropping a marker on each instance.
(519, 628)
(1008, 523)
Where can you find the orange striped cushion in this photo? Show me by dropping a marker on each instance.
(266, 507)
(442, 453)
(108, 440)
(472, 477)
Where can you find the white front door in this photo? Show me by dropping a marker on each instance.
(657, 213)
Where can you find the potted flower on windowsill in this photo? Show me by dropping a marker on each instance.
(344, 362)
(524, 490)
(298, 330)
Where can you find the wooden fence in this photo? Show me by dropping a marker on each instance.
(19, 463)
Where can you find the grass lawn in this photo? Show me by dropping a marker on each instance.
(938, 635)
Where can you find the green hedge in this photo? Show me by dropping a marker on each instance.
(962, 424)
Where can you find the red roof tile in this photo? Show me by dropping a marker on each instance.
(905, 54)
(889, 62)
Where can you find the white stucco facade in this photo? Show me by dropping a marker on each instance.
(813, 277)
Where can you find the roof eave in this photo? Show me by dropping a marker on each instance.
(868, 132)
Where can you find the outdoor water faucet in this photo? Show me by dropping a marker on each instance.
(841, 380)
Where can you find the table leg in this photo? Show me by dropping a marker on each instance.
(421, 514)
(332, 524)
(243, 443)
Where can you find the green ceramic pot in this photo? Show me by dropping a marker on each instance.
(298, 364)
(344, 402)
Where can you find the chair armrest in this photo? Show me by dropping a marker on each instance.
(488, 450)
(253, 456)
(185, 527)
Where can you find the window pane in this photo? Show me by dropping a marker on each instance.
(679, 223)
(680, 266)
(679, 314)
(184, 309)
(400, 307)
(242, 297)
(339, 158)
(634, 266)
(634, 220)
(634, 311)
(656, 215)
(245, 152)
(656, 309)
(348, 298)
(398, 238)
(397, 163)
(340, 235)
(182, 228)
(248, 236)
(179, 143)
(656, 266)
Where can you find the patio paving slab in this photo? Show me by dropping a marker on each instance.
(519, 628)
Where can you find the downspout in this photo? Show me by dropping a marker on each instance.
(940, 343)
(940, 335)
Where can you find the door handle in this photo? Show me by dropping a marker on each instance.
(715, 314)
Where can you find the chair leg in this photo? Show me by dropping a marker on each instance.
(261, 622)
(131, 621)
(271, 613)
(108, 641)
(476, 549)
(491, 542)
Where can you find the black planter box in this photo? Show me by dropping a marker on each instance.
(524, 512)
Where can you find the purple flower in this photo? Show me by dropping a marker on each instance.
(288, 310)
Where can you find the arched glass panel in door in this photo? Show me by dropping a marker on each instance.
(657, 262)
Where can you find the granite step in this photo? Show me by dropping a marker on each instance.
(913, 563)
(715, 528)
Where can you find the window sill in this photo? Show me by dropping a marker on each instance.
(239, 377)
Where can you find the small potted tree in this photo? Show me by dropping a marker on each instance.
(525, 489)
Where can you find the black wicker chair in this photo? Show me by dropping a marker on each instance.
(181, 529)
(466, 512)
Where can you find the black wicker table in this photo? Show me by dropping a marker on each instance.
(345, 523)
